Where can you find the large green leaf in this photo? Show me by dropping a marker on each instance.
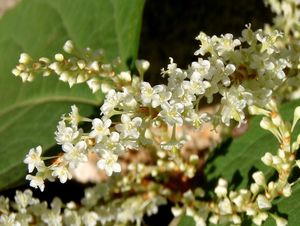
(29, 112)
(237, 161)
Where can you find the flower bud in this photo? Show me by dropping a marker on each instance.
(267, 159)
(125, 76)
(59, 57)
(280, 221)
(287, 190)
(142, 66)
(254, 188)
(24, 58)
(94, 66)
(259, 178)
(68, 46)
(263, 202)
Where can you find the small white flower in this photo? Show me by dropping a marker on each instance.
(74, 116)
(68, 46)
(109, 163)
(94, 84)
(59, 57)
(112, 99)
(227, 44)
(260, 218)
(147, 93)
(24, 58)
(36, 181)
(263, 203)
(33, 159)
(62, 173)
(100, 129)
(129, 128)
(225, 206)
(259, 178)
(171, 114)
(65, 134)
(161, 95)
(142, 66)
(125, 76)
(279, 220)
(9, 220)
(90, 218)
(75, 154)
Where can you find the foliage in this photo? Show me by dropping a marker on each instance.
(139, 134)
(29, 113)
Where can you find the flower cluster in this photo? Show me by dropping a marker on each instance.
(255, 202)
(245, 73)
(74, 67)
(27, 210)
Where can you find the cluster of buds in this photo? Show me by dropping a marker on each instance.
(74, 67)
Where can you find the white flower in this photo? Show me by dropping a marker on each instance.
(33, 159)
(233, 103)
(142, 66)
(74, 116)
(171, 114)
(176, 77)
(24, 58)
(196, 85)
(227, 44)
(221, 189)
(62, 173)
(111, 143)
(65, 134)
(75, 154)
(263, 202)
(111, 101)
(225, 206)
(202, 66)
(109, 163)
(259, 178)
(23, 199)
(147, 93)
(90, 218)
(183, 95)
(125, 76)
(260, 218)
(207, 43)
(160, 96)
(68, 46)
(67, 76)
(127, 100)
(72, 218)
(280, 221)
(9, 220)
(100, 129)
(94, 84)
(197, 119)
(36, 181)
(129, 128)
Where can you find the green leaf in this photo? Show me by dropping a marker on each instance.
(29, 112)
(238, 160)
(186, 221)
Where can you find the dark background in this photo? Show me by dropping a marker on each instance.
(169, 27)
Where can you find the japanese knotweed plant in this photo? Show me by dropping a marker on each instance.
(251, 75)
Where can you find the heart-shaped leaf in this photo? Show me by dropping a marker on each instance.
(29, 112)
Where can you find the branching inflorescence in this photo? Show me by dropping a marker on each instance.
(250, 74)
